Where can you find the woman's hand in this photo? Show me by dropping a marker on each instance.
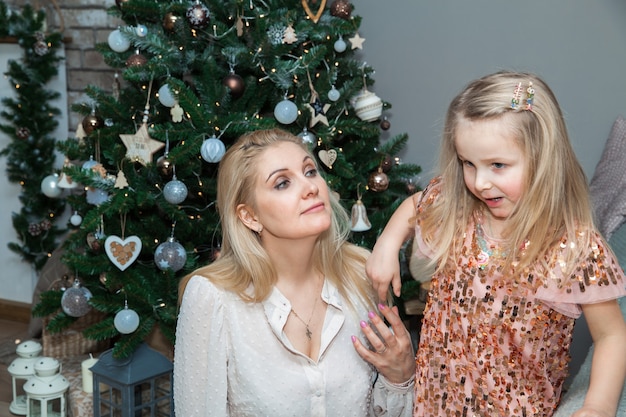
(393, 354)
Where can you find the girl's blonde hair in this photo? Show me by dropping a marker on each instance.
(555, 202)
(244, 267)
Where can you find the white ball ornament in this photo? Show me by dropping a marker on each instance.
(175, 191)
(50, 186)
(118, 42)
(96, 196)
(212, 150)
(141, 31)
(286, 112)
(126, 320)
(166, 97)
(170, 255)
(368, 106)
(75, 300)
(340, 45)
(76, 219)
(334, 94)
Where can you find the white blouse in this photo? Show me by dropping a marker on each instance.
(232, 358)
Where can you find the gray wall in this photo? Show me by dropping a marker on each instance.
(424, 52)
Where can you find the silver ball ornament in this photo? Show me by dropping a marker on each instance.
(76, 219)
(340, 45)
(118, 41)
(170, 255)
(50, 186)
(166, 97)
(175, 191)
(75, 300)
(212, 150)
(334, 94)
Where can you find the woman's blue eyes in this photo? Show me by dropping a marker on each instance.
(285, 182)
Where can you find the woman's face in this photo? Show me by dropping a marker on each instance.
(291, 197)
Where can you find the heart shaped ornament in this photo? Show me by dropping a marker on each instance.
(328, 157)
(122, 252)
(314, 15)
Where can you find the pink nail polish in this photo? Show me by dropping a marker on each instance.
(353, 338)
(363, 324)
(371, 314)
(381, 307)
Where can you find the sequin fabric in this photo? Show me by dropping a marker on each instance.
(495, 345)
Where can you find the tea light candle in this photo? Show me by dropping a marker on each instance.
(87, 376)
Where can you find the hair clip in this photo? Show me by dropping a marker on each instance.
(530, 96)
(517, 93)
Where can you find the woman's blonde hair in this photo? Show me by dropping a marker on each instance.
(555, 202)
(244, 266)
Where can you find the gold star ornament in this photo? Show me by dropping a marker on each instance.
(140, 147)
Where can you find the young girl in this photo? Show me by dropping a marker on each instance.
(508, 230)
(271, 327)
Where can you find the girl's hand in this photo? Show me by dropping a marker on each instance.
(393, 354)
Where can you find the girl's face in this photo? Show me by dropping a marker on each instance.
(292, 199)
(493, 164)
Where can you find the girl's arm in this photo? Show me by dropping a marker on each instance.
(383, 266)
(608, 365)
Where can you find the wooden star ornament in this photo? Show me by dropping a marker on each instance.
(356, 41)
(318, 111)
(140, 147)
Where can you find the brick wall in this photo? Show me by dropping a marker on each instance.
(83, 23)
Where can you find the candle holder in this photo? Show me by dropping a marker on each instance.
(22, 368)
(46, 390)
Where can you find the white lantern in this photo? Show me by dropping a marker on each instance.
(46, 390)
(22, 368)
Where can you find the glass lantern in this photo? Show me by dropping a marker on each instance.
(22, 368)
(140, 385)
(46, 390)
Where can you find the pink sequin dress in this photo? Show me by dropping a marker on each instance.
(494, 346)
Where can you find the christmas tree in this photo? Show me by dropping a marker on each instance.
(191, 78)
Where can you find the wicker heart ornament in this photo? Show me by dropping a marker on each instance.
(314, 16)
(122, 252)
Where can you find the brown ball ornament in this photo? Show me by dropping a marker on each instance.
(198, 16)
(378, 181)
(385, 124)
(235, 84)
(136, 60)
(91, 123)
(165, 166)
(387, 163)
(169, 21)
(22, 133)
(341, 9)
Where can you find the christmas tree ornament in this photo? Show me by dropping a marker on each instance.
(140, 147)
(120, 181)
(120, 3)
(385, 124)
(95, 241)
(50, 186)
(286, 112)
(170, 255)
(122, 252)
(198, 15)
(367, 105)
(235, 84)
(307, 137)
(341, 9)
(41, 48)
(378, 181)
(212, 150)
(34, 229)
(126, 321)
(116, 87)
(169, 21)
(340, 45)
(313, 14)
(76, 219)
(328, 157)
(333, 94)
(96, 196)
(411, 187)
(141, 30)
(75, 300)
(88, 165)
(22, 133)
(65, 181)
(289, 36)
(275, 34)
(356, 41)
(165, 166)
(118, 41)
(136, 60)
(177, 113)
(92, 122)
(175, 191)
(387, 163)
(358, 217)
(318, 111)
(166, 97)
